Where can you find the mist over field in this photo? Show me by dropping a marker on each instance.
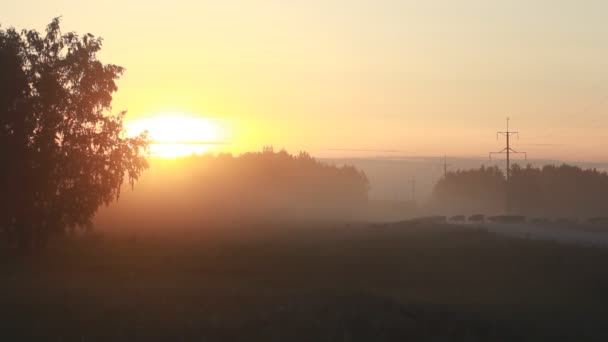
(202, 191)
(391, 176)
(273, 187)
(318, 170)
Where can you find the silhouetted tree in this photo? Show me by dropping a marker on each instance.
(558, 191)
(254, 187)
(62, 154)
(471, 191)
(276, 184)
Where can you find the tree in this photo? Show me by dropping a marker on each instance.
(564, 191)
(475, 191)
(62, 153)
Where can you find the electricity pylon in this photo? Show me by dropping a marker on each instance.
(413, 182)
(508, 150)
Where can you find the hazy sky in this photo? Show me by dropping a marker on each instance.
(419, 77)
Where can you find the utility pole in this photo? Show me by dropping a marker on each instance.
(508, 151)
(445, 167)
(413, 181)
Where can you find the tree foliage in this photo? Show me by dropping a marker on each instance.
(255, 187)
(553, 191)
(272, 185)
(62, 153)
(471, 191)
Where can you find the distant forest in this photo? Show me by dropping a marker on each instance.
(257, 186)
(550, 191)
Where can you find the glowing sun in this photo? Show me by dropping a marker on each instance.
(175, 135)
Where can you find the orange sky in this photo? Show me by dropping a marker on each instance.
(421, 78)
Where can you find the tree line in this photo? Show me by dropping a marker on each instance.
(265, 186)
(548, 191)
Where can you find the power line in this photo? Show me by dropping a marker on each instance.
(578, 114)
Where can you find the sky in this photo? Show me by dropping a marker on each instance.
(354, 78)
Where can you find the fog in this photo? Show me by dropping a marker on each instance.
(270, 187)
(564, 191)
(226, 190)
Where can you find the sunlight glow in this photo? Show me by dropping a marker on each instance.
(176, 135)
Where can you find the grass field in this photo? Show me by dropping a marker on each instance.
(338, 283)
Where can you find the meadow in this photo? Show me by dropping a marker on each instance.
(307, 282)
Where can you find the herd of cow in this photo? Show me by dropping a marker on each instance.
(513, 219)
